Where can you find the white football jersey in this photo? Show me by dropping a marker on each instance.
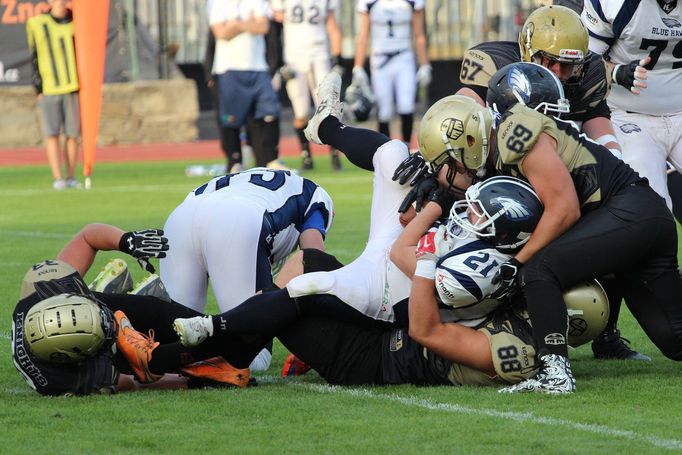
(286, 199)
(390, 23)
(305, 29)
(625, 31)
(463, 280)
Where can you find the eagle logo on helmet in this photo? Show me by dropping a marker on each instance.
(452, 127)
(513, 209)
(519, 84)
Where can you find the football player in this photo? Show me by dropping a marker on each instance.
(396, 26)
(554, 36)
(642, 44)
(311, 33)
(582, 186)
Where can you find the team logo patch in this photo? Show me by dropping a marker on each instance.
(555, 339)
(520, 84)
(670, 22)
(452, 127)
(513, 209)
(577, 326)
(628, 128)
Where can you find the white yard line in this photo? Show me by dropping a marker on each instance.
(664, 443)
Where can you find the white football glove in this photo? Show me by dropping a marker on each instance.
(424, 75)
(431, 247)
(360, 78)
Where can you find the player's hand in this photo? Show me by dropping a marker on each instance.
(424, 75)
(444, 198)
(143, 245)
(360, 77)
(413, 168)
(418, 194)
(632, 75)
(506, 279)
(431, 247)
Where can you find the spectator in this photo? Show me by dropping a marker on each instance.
(53, 56)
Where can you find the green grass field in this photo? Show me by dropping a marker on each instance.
(620, 407)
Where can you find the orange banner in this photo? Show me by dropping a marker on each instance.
(90, 19)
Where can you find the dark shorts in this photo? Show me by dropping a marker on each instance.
(61, 111)
(245, 94)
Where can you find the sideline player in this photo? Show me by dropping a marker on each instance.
(233, 229)
(311, 34)
(554, 36)
(581, 185)
(396, 26)
(642, 45)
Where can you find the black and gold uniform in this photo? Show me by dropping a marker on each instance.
(588, 98)
(625, 229)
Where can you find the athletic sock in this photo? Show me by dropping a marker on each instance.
(358, 144)
(384, 129)
(233, 146)
(550, 322)
(262, 313)
(305, 144)
(406, 121)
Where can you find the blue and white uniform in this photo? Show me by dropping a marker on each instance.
(233, 229)
(648, 125)
(372, 284)
(392, 61)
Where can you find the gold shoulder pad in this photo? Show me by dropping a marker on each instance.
(477, 68)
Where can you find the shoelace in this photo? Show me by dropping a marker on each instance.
(141, 341)
(620, 348)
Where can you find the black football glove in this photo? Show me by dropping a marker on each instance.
(413, 168)
(143, 245)
(505, 278)
(418, 194)
(445, 198)
(630, 75)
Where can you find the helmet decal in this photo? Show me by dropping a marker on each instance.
(520, 84)
(452, 127)
(513, 209)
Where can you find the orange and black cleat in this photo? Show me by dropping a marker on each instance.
(136, 348)
(217, 371)
(294, 366)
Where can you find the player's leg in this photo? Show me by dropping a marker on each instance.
(325, 127)
(183, 271)
(299, 95)
(641, 139)
(383, 88)
(406, 91)
(674, 144)
(320, 69)
(72, 131)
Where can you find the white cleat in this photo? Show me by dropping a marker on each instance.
(193, 331)
(329, 98)
(554, 377)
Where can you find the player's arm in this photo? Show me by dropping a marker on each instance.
(466, 91)
(402, 251)
(228, 29)
(363, 38)
(451, 341)
(334, 32)
(600, 130)
(553, 184)
(257, 25)
(313, 231)
(419, 37)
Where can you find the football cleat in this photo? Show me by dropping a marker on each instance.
(554, 377)
(193, 331)
(329, 98)
(293, 366)
(152, 286)
(74, 184)
(217, 371)
(59, 184)
(611, 346)
(113, 279)
(307, 161)
(136, 348)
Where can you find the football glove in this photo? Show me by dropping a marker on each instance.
(431, 247)
(424, 75)
(631, 75)
(445, 198)
(413, 168)
(421, 191)
(143, 245)
(506, 279)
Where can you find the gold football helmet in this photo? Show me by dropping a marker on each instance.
(68, 328)
(555, 34)
(588, 312)
(456, 128)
